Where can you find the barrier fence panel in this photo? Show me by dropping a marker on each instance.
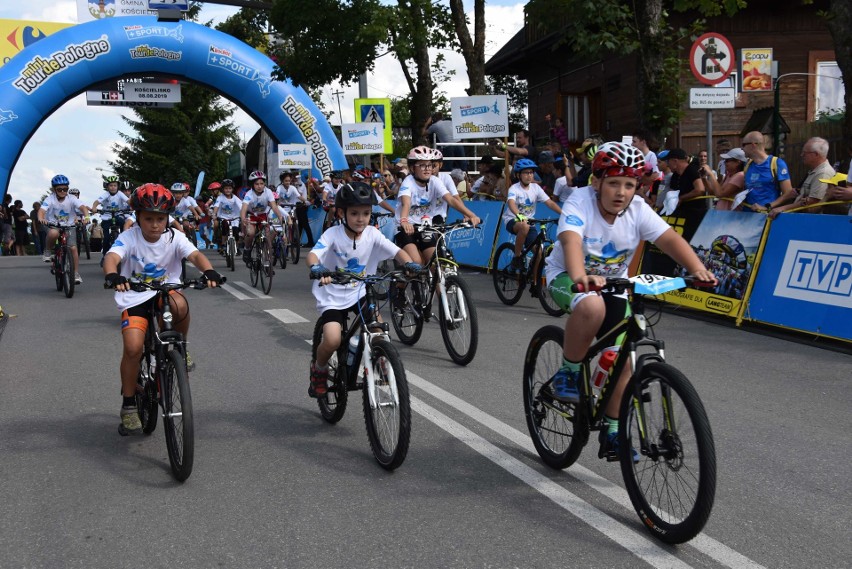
(474, 247)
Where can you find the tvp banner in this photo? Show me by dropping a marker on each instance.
(294, 156)
(727, 243)
(363, 138)
(15, 35)
(481, 116)
(377, 111)
(805, 277)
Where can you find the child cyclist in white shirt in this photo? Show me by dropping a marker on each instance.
(61, 208)
(354, 246)
(226, 211)
(255, 204)
(598, 233)
(148, 252)
(520, 206)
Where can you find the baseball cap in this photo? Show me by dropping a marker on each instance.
(734, 154)
(663, 154)
(678, 154)
(837, 179)
(585, 146)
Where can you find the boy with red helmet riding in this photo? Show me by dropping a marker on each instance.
(148, 252)
(599, 230)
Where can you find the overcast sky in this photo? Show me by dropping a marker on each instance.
(76, 139)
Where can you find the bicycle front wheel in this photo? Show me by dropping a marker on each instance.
(388, 418)
(333, 405)
(544, 296)
(57, 268)
(67, 273)
(146, 397)
(281, 253)
(673, 484)
(558, 430)
(86, 245)
(461, 331)
(295, 243)
(407, 322)
(231, 253)
(177, 415)
(508, 283)
(254, 264)
(267, 269)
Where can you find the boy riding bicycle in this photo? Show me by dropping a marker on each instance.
(256, 202)
(148, 252)
(61, 208)
(599, 230)
(354, 246)
(226, 210)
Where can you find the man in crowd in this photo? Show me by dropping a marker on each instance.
(813, 191)
(688, 183)
(523, 148)
(767, 178)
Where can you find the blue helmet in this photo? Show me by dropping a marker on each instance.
(524, 164)
(59, 180)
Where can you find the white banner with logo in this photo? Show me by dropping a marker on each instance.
(88, 10)
(294, 156)
(481, 116)
(363, 138)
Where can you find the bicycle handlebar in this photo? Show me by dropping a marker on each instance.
(197, 284)
(617, 285)
(345, 277)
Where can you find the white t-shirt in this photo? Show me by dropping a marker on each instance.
(441, 206)
(335, 251)
(142, 261)
(183, 208)
(228, 208)
(288, 196)
(257, 204)
(561, 190)
(608, 248)
(331, 191)
(525, 200)
(62, 212)
(112, 203)
(423, 200)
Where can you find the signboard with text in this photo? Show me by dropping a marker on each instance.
(294, 156)
(712, 98)
(363, 138)
(376, 111)
(111, 93)
(712, 58)
(756, 69)
(156, 92)
(480, 116)
(89, 10)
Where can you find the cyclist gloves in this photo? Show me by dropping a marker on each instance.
(413, 267)
(114, 279)
(212, 275)
(520, 217)
(319, 271)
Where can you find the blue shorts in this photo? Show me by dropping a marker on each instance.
(510, 225)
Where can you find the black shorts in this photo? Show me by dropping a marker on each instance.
(402, 238)
(341, 316)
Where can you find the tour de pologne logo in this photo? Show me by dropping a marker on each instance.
(38, 70)
(145, 51)
(220, 57)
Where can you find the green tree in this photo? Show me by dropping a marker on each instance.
(839, 19)
(515, 90)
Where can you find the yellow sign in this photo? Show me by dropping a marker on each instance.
(706, 301)
(15, 35)
(376, 110)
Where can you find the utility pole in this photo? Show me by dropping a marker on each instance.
(339, 113)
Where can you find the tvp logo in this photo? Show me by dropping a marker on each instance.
(817, 272)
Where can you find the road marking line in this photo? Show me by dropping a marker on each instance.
(703, 543)
(235, 292)
(286, 316)
(637, 544)
(251, 289)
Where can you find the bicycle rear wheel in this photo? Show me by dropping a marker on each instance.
(544, 296)
(461, 332)
(267, 268)
(67, 273)
(389, 421)
(558, 430)
(508, 284)
(57, 267)
(407, 323)
(177, 415)
(381, 288)
(254, 263)
(231, 253)
(295, 246)
(333, 405)
(673, 485)
(146, 396)
(281, 253)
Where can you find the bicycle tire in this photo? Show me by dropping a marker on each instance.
(231, 254)
(254, 263)
(333, 406)
(508, 285)
(460, 338)
(87, 245)
(294, 245)
(408, 324)
(179, 429)
(389, 424)
(672, 495)
(67, 273)
(267, 267)
(57, 267)
(559, 431)
(544, 296)
(381, 288)
(146, 397)
(282, 255)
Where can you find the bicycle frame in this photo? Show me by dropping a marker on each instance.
(443, 263)
(537, 246)
(156, 339)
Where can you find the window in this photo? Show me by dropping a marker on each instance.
(581, 114)
(825, 89)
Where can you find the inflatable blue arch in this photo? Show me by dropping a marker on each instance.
(42, 77)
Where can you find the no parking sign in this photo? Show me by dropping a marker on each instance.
(712, 58)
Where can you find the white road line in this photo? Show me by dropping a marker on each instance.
(286, 316)
(637, 544)
(235, 292)
(703, 543)
(251, 289)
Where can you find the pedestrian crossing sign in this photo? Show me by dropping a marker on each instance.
(377, 111)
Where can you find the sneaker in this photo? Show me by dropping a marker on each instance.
(78, 279)
(609, 447)
(564, 386)
(319, 382)
(517, 265)
(190, 365)
(47, 258)
(130, 423)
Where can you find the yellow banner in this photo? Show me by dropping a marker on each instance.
(15, 35)
(706, 301)
(376, 110)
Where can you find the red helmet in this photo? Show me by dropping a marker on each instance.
(152, 197)
(214, 186)
(618, 159)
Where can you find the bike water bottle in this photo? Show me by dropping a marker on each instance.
(603, 366)
(353, 349)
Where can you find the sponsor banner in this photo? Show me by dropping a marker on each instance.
(474, 246)
(16, 35)
(654, 261)
(89, 10)
(756, 69)
(294, 156)
(805, 276)
(363, 138)
(481, 116)
(727, 243)
(116, 99)
(157, 92)
(377, 111)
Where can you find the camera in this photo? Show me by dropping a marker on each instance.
(494, 142)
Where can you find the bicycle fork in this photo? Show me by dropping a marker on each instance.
(445, 304)
(369, 372)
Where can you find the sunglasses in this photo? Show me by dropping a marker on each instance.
(60, 189)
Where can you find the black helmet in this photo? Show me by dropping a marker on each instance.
(356, 193)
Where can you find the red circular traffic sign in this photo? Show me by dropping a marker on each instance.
(712, 58)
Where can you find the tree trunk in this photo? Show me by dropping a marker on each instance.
(473, 51)
(421, 99)
(840, 26)
(651, 67)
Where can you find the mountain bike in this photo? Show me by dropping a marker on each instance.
(456, 311)
(83, 239)
(279, 245)
(260, 263)
(509, 283)
(666, 449)
(187, 222)
(62, 267)
(163, 379)
(230, 243)
(116, 225)
(377, 371)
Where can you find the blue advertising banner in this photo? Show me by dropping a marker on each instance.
(473, 246)
(387, 225)
(541, 212)
(805, 277)
(316, 215)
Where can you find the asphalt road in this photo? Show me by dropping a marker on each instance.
(276, 486)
